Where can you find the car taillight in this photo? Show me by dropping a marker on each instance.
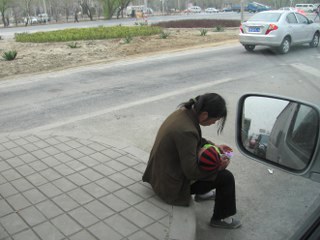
(241, 29)
(271, 27)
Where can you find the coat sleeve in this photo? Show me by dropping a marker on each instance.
(187, 147)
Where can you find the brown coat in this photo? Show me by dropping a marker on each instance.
(173, 159)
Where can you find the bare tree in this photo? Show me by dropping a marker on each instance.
(67, 6)
(16, 11)
(87, 8)
(76, 14)
(123, 4)
(110, 7)
(55, 8)
(27, 8)
(4, 5)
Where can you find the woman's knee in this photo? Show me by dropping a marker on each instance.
(226, 176)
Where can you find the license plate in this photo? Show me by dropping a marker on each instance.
(254, 29)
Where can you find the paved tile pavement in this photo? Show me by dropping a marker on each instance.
(61, 187)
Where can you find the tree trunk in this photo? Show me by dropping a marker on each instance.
(7, 22)
(76, 16)
(3, 20)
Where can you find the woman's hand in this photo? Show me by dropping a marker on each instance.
(225, 148)
(224, 162)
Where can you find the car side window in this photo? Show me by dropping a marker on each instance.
(301, 137)
(291, 18)
(302, 19)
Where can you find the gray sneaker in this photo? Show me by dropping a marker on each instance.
(221, 224)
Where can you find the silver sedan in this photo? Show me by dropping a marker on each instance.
(279, 29)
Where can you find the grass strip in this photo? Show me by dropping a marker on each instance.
(96, 33)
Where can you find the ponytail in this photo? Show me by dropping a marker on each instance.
(212, 103)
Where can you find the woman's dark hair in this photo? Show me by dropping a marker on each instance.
(212, 103)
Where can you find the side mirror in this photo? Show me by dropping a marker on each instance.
(280, 132)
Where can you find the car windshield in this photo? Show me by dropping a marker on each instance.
(265, 17)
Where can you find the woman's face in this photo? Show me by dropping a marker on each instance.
(209, 121)
(205, 120)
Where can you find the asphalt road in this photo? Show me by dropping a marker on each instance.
(69, 95)
(127, 101)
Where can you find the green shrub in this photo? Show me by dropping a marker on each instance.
(203, 32)
(164, 35)
(198, 23)
(10, 55)
(73, 45)
(143, 23)
(127, 39)
(219, 29)
(76, 34)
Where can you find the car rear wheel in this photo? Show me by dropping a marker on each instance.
(249, 48)
(315, 40)
(285, 46)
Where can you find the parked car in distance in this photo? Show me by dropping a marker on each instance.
(254, 7)
(227, 9)
(232, 8)
(193, 9)
(211, 10)
(278, 29)
(31, 20)
(43, 18)
(307, 7)
(293, 10)
(261, 145)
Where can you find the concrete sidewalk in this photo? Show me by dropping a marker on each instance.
(69, 187)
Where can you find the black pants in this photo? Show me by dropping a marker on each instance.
(225, 202)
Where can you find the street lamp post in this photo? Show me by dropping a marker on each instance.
(44, 6)
(242, 9)
(162, 1)
(145, 6)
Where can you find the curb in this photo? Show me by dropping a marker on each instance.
(183, 225)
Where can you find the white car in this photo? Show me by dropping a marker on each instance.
(193, 9)
(279, 29)
(293, 9)
(30, 20)
(307, 7)
(211, 10)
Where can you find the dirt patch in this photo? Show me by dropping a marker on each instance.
(44, 57)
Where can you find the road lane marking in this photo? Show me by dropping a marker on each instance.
(307, 69)
(310, 70)
(132, 104)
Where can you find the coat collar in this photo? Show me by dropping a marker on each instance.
(193, 116)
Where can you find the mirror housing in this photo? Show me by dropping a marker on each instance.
(279, 132)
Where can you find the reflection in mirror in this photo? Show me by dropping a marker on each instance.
(279, 131)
